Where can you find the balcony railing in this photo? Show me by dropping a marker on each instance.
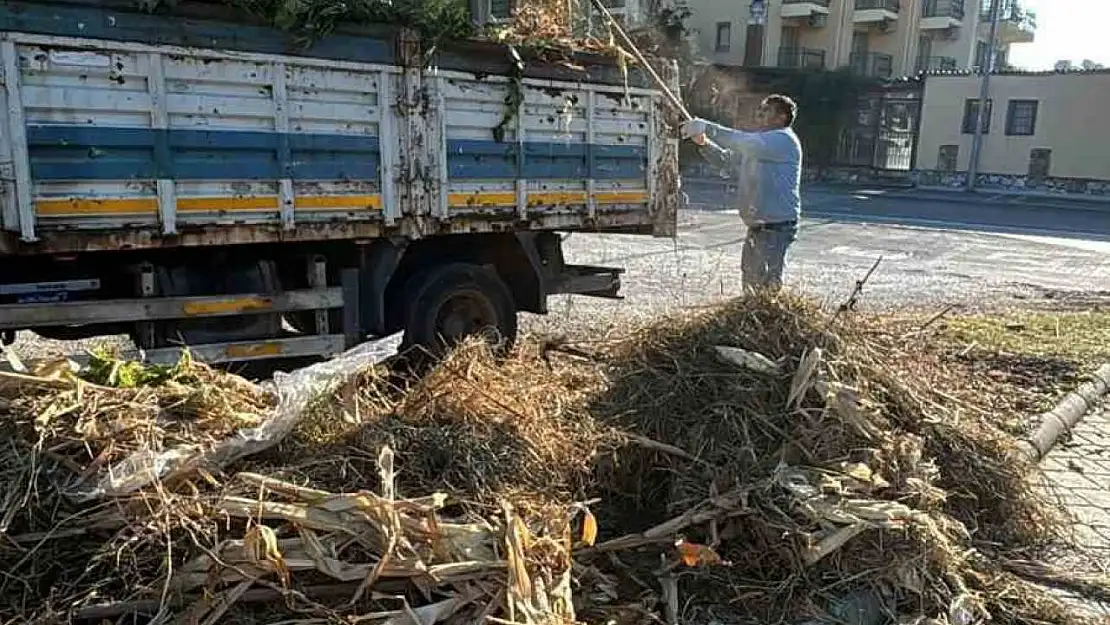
(824, 3)
(943, 8)
(872, 64)
(1023, 19)
(937, 64)
(893, 6)
(1011, 11)
(801, 58)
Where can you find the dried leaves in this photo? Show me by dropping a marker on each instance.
(806, 461)
(850, 464)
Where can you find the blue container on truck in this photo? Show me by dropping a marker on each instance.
(197, 179)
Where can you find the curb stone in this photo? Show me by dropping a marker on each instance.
(1062, 419)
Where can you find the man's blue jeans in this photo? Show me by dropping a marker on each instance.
(764, 254)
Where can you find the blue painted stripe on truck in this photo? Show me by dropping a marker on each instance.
(60, 152)
(489, 160)
(63, 152)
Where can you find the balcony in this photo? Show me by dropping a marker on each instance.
(937, 64)
(873, 64)
(801, 58)
(804, 8)
(871, 11)
(1017, 24)
(942, 14)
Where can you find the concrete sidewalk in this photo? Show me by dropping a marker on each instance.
(1078, 473)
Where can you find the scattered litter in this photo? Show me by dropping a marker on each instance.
(749, 360)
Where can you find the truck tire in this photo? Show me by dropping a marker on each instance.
(446, 304)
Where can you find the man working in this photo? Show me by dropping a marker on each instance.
(769, 166)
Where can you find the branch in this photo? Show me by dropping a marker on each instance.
(850, 303)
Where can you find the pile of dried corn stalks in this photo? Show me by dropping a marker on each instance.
(122, 502)
(761, 462)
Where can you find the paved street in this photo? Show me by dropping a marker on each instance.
(985, 211)
(951, 250)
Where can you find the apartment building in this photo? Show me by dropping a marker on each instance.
(1038, 126)
(874, 37)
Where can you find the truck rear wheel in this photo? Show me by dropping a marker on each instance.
(447, 304)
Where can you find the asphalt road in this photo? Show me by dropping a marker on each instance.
(1087, 220)
(936, 250)
(984, 212)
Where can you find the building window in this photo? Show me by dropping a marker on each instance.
(980, 54)
(724, 36)
(946, 159)
(1021, 118)
(500, 9)
(791, 37)
(1002, 59)
(971, 113)
(1040, 162)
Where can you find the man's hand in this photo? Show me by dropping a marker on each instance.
(694, 130)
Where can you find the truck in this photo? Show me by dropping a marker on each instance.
(191, 177)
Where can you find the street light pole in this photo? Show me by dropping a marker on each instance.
(984, 95)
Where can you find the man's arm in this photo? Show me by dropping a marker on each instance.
(716, 155)
(750, 143)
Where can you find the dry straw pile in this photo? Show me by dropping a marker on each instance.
(762, 462)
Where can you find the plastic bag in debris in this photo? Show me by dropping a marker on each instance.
(295, 391)
(861, 607)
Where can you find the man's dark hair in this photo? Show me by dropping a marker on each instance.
(784, 105)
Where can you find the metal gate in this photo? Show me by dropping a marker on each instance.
(883, 132)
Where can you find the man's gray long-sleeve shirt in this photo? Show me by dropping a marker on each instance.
(768, 166)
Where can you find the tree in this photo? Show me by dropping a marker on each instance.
(827, 103)
(665, 33)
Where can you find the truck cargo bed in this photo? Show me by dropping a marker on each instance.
(200, 180)
(111, 142)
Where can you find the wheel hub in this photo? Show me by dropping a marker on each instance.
(465, 315)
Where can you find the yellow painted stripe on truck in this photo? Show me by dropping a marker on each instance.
(149, 206)
(228, 306)
(483, 198)
(218, 203)
(261, 203)
(342, 202)
(621, 197)
(508, 198)
(79, 206)
(254, 350)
